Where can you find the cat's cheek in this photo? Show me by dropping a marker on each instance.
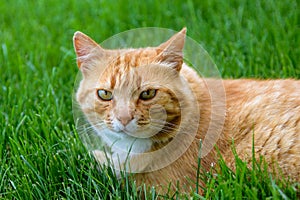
(146, 131)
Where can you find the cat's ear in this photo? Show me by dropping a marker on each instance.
(172, 50)
(85, 47)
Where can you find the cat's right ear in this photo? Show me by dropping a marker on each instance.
(172, 50)
(84, 47)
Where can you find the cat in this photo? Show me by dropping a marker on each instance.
(144, 101)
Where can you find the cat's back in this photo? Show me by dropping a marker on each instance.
(285, 89)
(263, 101)
(269, 110)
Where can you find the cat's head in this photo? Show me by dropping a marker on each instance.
(133, 92)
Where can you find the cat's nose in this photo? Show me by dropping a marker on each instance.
(124, 116)
(125, 119)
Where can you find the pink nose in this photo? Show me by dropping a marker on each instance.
(125, 119)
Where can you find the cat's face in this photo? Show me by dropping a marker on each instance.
(133, 92)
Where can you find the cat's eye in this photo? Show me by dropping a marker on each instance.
(148, 94)
(104, 95)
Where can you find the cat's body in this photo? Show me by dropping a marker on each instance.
(137, 99)
(267, 110)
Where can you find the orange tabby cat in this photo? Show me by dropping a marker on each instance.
(141, 100)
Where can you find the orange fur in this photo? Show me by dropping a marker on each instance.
(269, 109)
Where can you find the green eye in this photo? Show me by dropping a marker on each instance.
(148, 94)
(104, 95)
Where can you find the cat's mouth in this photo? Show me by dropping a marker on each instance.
(139, 134)
(131, 129)
(133, 134)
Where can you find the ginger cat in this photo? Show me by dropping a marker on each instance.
(151, 110)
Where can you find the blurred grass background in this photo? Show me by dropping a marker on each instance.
(40, 156)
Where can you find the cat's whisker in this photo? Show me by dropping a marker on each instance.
(168, 127)
(162, 121)
(164, 130)
(162, 126)
(88, 124)
(89, 127)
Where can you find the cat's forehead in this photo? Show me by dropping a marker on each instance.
(128, 80)
(121, 70)
(134, 57)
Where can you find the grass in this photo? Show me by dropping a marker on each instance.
(254, 183)
(41, 156)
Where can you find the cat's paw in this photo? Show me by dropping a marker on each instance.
(106, 159)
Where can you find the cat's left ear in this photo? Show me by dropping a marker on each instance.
(172, 50)
(85, 47)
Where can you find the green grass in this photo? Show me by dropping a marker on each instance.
(41, 156)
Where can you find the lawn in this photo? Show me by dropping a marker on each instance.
(41, 155)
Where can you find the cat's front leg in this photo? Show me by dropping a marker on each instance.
(101, 157)
(110, 160)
